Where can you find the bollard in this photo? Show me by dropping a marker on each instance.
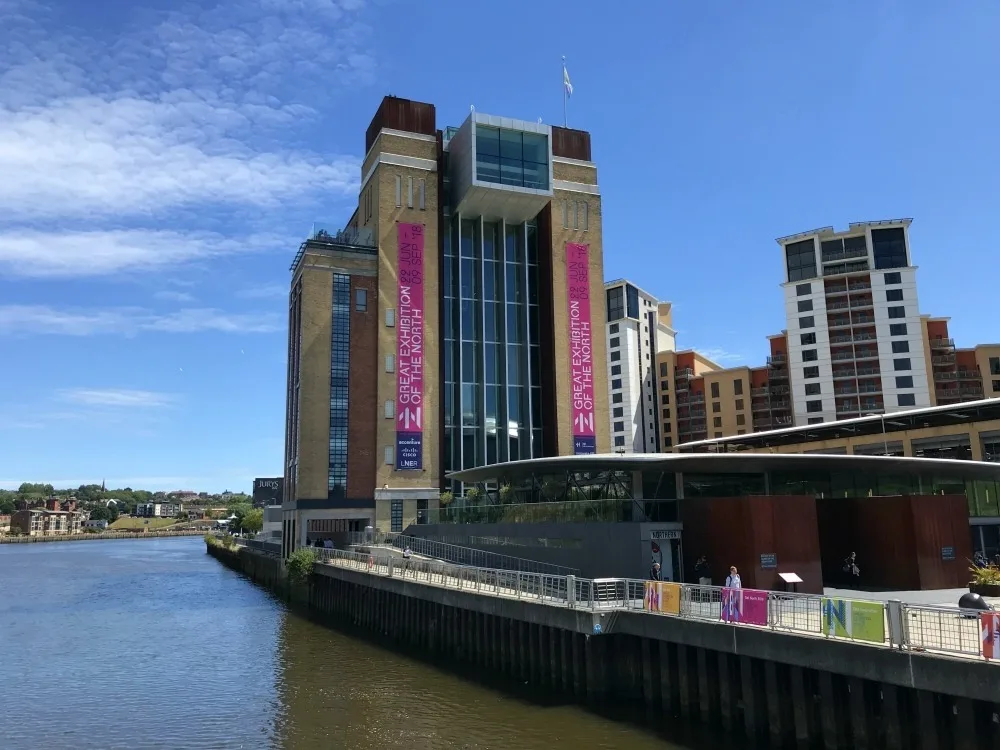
(571, 591)
(390, 566)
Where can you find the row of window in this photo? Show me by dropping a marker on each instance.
(889, 279)
(421, 189)
(576, 215)
(902, 399)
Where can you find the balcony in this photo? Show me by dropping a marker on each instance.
(762, 424)
(859, 286)
(861, 303)
(760, 406)
(845, 391)
(837, 305)
(834, 256)
(972, 392)
(942, 343)
(864, 337)
(779, 375)
(866, 354)
(759, 391)
(782, 421)
(844, 375)
(845, 339)
(943, 359)
(858, 266)
(869, 389)
(862, 320)
(777, 359)
(839, 323)
(685, 373)
(779, 389)
(945, 377)
(969, 374)
(780, 404)
(847, 409)
(868, 371)
(842, 356)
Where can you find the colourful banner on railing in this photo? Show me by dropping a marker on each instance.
(862, 621)
(410, 349)
(662, 597)
(990, 630)
(748, 606)
(581, 352)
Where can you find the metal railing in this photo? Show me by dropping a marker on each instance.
(456, 554)
(892, 624)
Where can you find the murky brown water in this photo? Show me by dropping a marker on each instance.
(153, 644)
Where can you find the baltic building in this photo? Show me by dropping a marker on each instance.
(448, 324)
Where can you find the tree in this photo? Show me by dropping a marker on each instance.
(6, 505)
(100, 513)
(254, 520)
(241, 511)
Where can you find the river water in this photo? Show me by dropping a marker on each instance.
(137, 644)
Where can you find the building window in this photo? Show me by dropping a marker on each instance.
(904, 381)
(741, 432)
(360, 300)
(800, 258)
(901, 364)
(802, 289)
(996, 385)
(399, 190)
(390, 408)
(812, 389)
(340, 361)
(715, 390)
(616, 303)
(897, 329)
(617, 383)
(616, 398)
(619, 427)
(388, 454)
(619, 441)
(584, 214)
(716, 421)
(810, 372)
(390, 363)
(664, 399)
(739, 404)
(906, 399)
(738, 387)
(396, 515)
(616, 369)
(615, 342)
(897, 312)
(889, 247)
(994, 365)
(893, 295)
(613, 328)
(716, 407)
(618, 412)
(390, 317)
(810, 355)
(741, 419)
(806, 322)
(409, 192)
(666, 413)
(805, 305)
(512, 157)
(900, 347)
(421, 187)
(815, 420)
(663, 370)
(814, 406)
(892, 278)
(807, 339)
(616, 356)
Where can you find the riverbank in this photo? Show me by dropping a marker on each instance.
(103, 535)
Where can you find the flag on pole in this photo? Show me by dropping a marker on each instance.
(566, 84)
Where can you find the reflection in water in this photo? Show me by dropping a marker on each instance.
(153, 644)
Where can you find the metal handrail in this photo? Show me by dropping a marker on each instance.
(456, 554)
(890, 624)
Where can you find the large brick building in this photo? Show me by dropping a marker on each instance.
(448, 325)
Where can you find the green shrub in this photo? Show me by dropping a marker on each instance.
(445, 499)
(987, 576)
(300, 564)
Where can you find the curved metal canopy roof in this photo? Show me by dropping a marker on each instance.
(732, 463)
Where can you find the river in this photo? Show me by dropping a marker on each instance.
(152, 644)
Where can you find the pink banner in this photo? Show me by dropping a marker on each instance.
(747, 606)
(410, 349)
(581, 355)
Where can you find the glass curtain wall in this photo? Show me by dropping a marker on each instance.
(492, 379)
(340, 360)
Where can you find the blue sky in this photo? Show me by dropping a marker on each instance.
(160, 164)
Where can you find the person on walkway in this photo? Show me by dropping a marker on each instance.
(733, 579)
(407, 553)
(702, 572)
(851, 570)
(654, 572)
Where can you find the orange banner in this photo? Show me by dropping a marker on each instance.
(664, 598)
(990, 629)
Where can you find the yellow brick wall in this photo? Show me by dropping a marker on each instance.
(401, 145)
(591, 237)
(728, 412)
(314, 389)
(387, 217)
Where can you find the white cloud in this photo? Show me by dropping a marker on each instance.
(171, 295)
(40, 319)
(268, 291)
(117, 398)
(180, 112)
(40, 254)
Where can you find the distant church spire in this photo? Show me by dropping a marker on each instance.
(103, 487)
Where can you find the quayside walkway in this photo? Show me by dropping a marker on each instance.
(797, 671)
(932, 630)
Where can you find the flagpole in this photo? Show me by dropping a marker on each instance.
(565, 120)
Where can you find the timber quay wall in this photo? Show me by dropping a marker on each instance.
(782, 690)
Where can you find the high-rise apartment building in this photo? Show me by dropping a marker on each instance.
(639, 327)
(856, 343)
(449, 324)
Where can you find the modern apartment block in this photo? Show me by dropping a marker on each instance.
(856, 343)
(639, 327)
(449, 324)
